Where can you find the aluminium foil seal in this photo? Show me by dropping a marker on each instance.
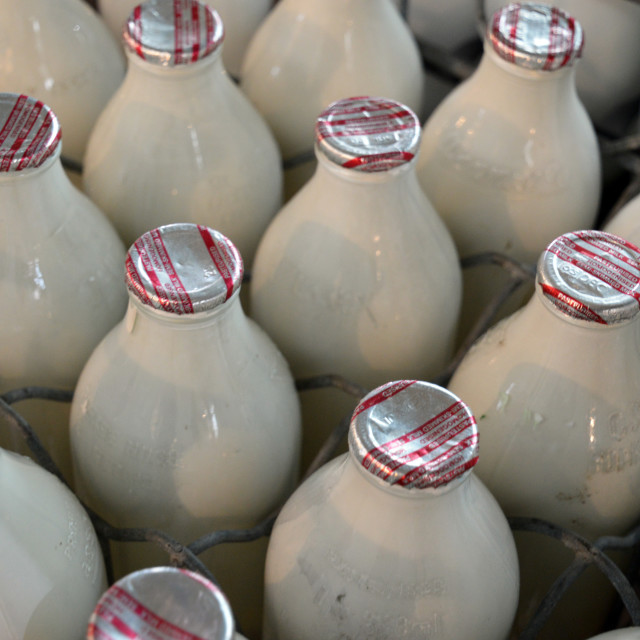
(29, 132)
(183, 269)
(170, 33)
(368, 134)
(162, 603)
(414, 435)
(536, 36)
(591, 276)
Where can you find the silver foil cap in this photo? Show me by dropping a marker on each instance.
(169, 33)
(535, 36)
(183, 268)
(29, 132)
(414, 435)
(591, 276)
(162, 603)
(368, 134)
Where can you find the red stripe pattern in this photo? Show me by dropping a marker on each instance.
(183, 269)
(29, 132)
(173, 32)
(536, 36)
(388, 131)
(428, 454)
(592, 276)
(120, 616)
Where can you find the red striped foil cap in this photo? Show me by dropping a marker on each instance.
(536, 36)
(414, 435)
(368, 134)
(183, 268)
(173, 32)
(29, 132)
(162, 603)
(592, 276)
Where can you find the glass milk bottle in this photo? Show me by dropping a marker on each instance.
(398, 538)
(156, 157)
(186, 418)
(61, 53)
(555, 388)
(626, 222)
(307, 54)
(357, 275)
(162, 603)
(241, 18)
(628, 633)
(607, 78)
(60, 272)
(52, 569)
(510, 159)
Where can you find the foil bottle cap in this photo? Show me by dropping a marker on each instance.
(414, 435)
(29, 132)
(535, 36)
(173, 32)
(368, 134)
(162, 603)
(591, 276)
(183, 268)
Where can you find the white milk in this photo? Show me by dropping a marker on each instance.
(188, 421)
(607, 78)
(61, 53)
(357, 554)
(307, 54)
(357, 275)
(156, 158)
(510, 158)
(61, 275)
(52, 567)
(555, 390)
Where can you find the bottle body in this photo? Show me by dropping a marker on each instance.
(346, 558)
(356, 276)
(216, 162)
(53, 572)
(626, 222)
(320, 52)
(210, 442)
(63, 291)
(67, 58)
(556, 405)
(510, 161)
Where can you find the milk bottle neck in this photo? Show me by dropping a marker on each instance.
(452, 488)
(330, 175)
(143, 320)
(504, 82)
(35, 196)
(207, 70)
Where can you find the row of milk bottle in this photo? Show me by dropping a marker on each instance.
(343, 262)
(401, 536)
(330, 48)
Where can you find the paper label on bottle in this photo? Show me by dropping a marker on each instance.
(368, 134)
(173, 32)
(29, 132)
(536, 36)
(592, 275)
(120, 616)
